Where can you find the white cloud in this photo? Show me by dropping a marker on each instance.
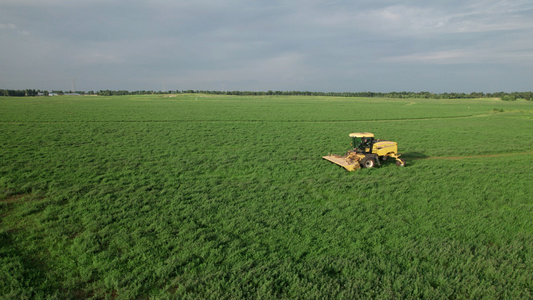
(435, 57)
(496, 55)
(415, 20)
(8, 26)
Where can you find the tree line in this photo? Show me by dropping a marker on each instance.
(427, 95)
(19, 93)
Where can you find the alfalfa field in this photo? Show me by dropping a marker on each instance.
(202, 196)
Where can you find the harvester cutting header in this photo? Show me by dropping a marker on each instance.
(366, 152)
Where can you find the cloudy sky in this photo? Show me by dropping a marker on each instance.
(260, 45)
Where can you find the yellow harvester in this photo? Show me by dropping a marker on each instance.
(366, 152)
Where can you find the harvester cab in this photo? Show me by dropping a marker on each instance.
(366, 152)
(362, 142)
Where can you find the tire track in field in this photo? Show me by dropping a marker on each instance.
(470, 156)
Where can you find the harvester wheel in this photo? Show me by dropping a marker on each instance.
(400, 162)
(368, 162)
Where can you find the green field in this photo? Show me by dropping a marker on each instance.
(199, 196)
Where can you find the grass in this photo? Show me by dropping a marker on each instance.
(222, 197)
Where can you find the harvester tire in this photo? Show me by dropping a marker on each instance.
(400, 162)
(368, 162)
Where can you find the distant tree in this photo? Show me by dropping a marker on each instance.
(509, 98)
(104, 93)
(30, 93)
